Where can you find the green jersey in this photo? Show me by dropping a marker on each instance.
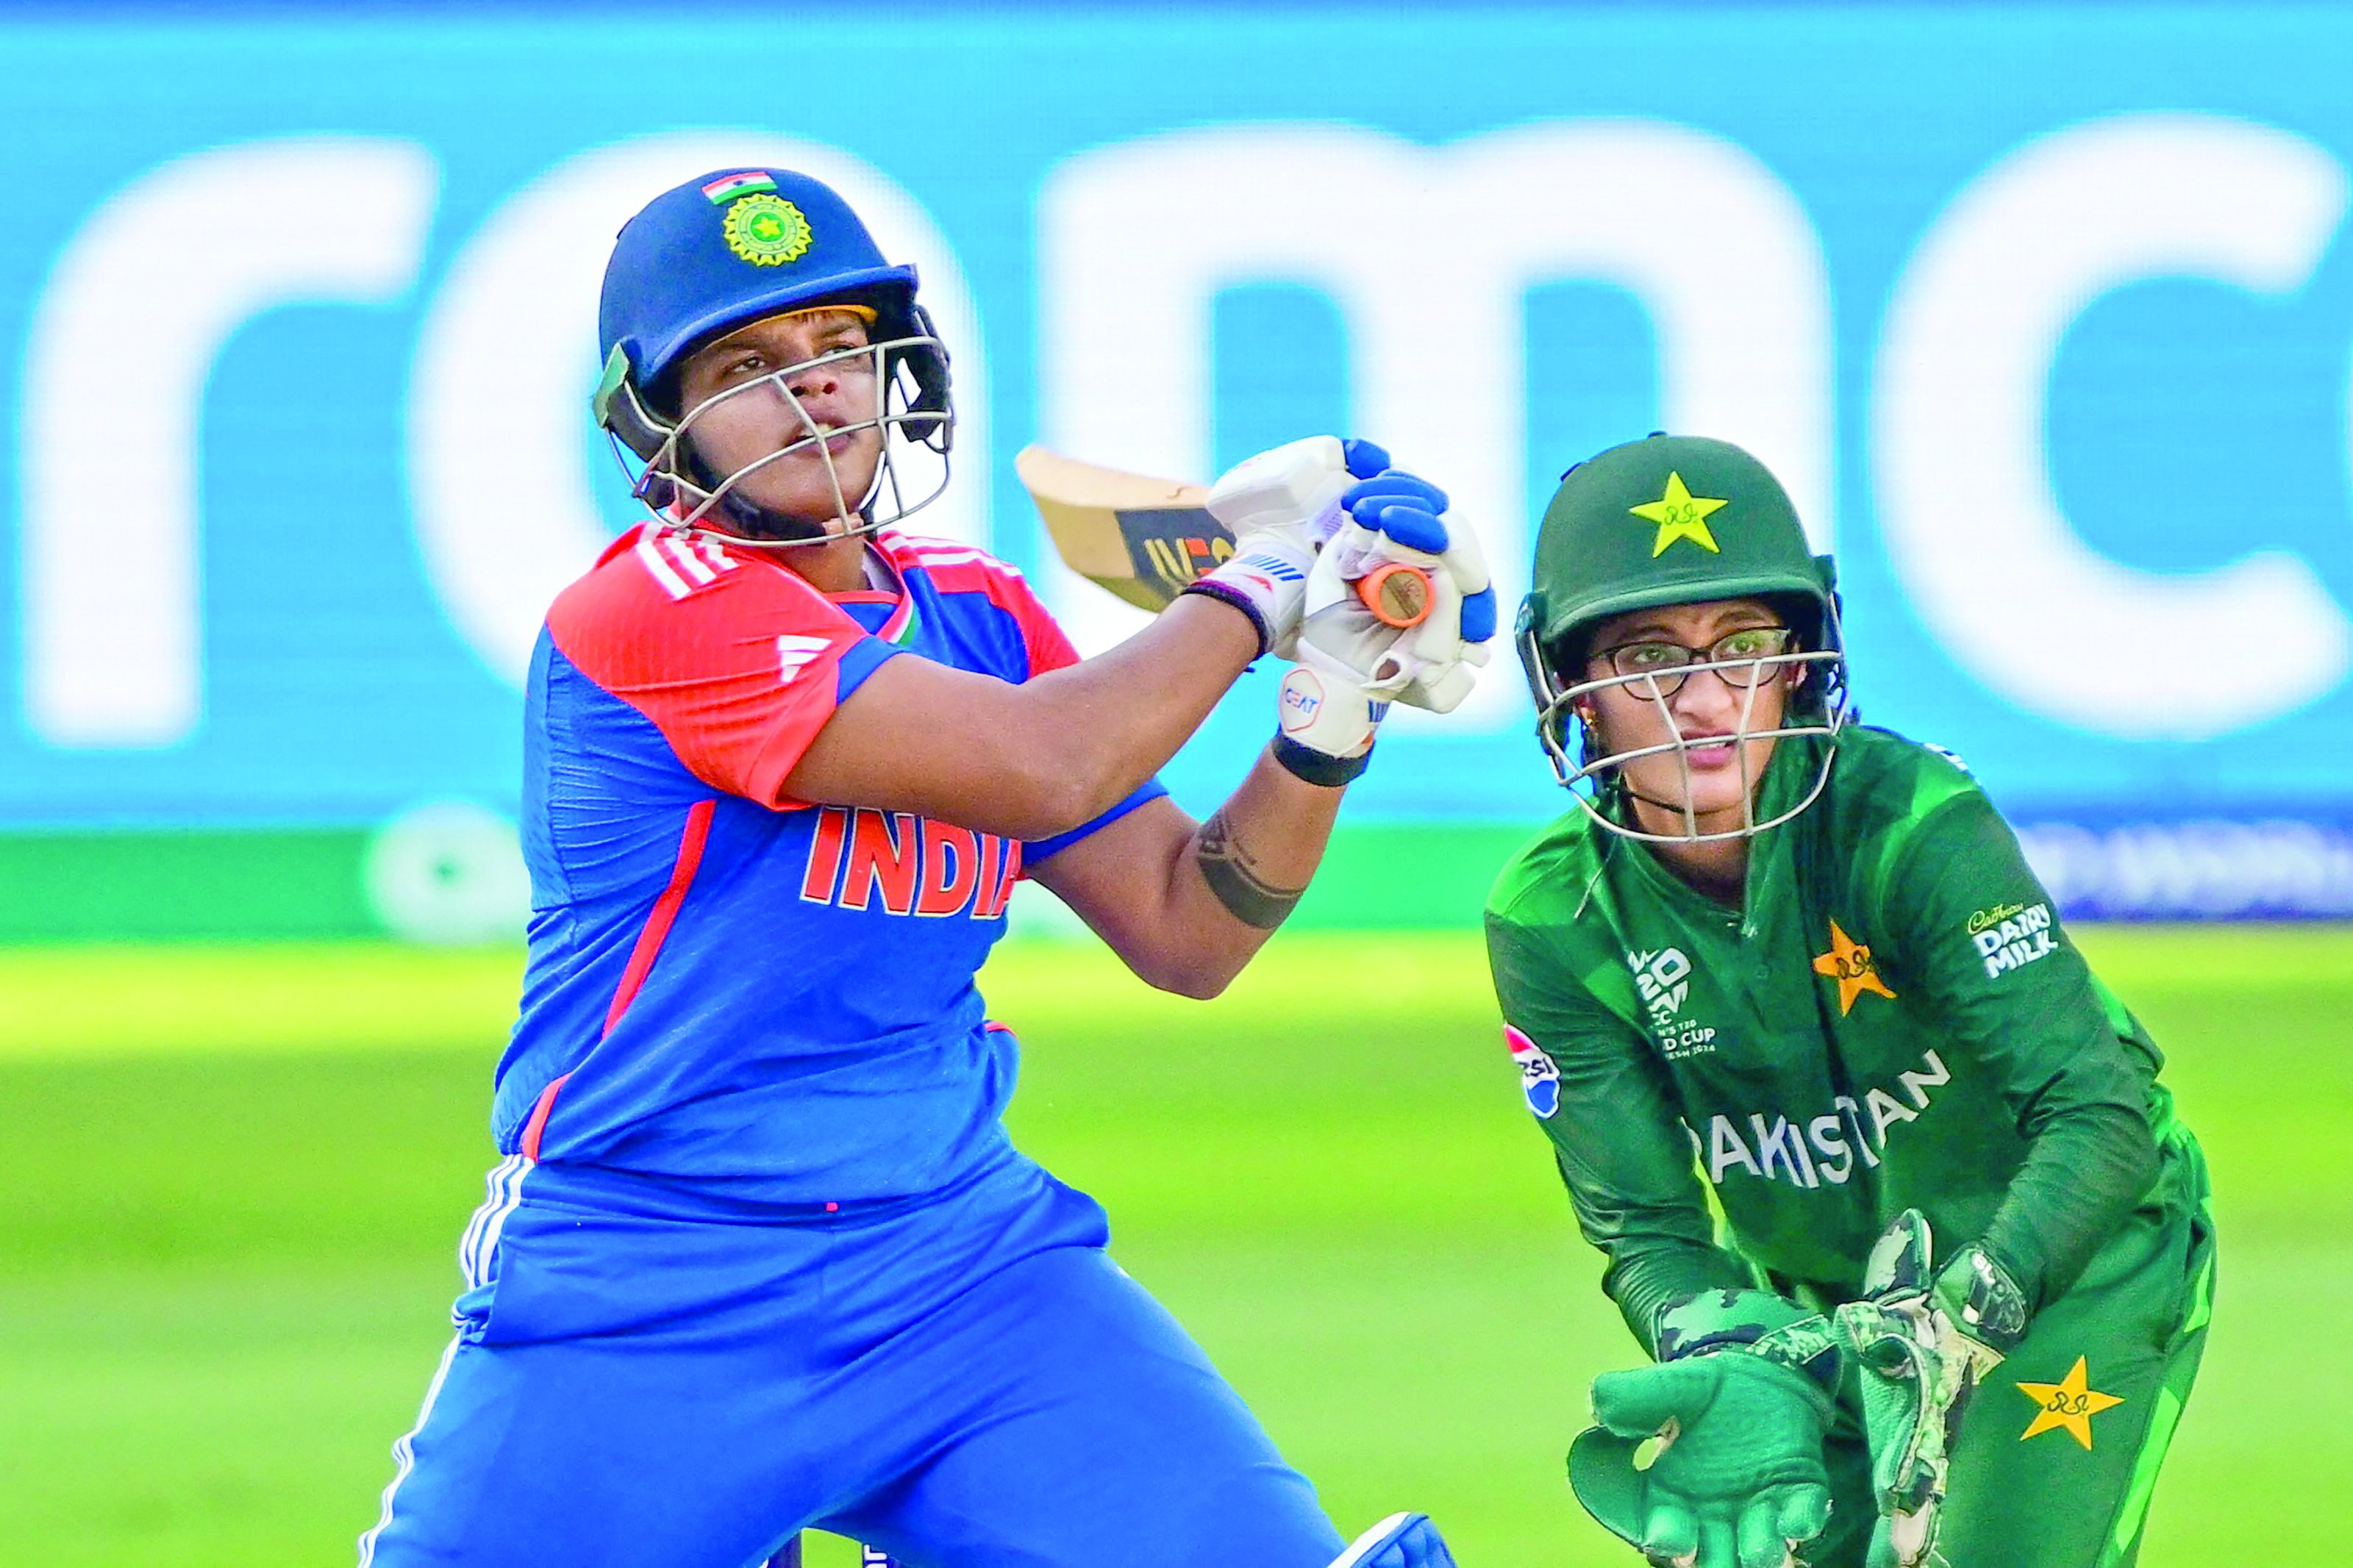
(1893, 1018)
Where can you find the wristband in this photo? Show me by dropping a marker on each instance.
(1211, 588)
(1319, 768)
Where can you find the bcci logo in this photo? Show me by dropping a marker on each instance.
(765, 230)
(1539, 1079)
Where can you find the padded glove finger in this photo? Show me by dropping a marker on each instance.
(1395, 485)
(1671, 1532)
(1640, 1401)
(1717, 1546)
(1363, 459)
(1775, 1521)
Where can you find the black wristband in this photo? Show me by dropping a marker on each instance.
(1211, 588)
(1321, 768)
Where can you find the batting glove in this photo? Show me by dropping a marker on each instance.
(1282, 506)
(1326, 726)
(1396, 516)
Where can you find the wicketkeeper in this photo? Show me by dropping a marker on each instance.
(1889, 1189)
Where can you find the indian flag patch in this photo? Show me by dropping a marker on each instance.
(727, 187)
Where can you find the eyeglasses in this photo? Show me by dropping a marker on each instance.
(1738, 658)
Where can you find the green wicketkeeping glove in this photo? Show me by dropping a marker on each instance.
(1738, 1479)
(1923, 1343)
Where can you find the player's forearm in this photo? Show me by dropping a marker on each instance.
(2082, 1176)
(1240, 874)
(1643, 1276)
(1099, 729)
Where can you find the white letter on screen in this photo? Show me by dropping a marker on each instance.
(143, 298)
(2009, 588)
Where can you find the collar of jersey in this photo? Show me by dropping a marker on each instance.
(898, 628)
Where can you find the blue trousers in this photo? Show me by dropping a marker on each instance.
(965, 1381)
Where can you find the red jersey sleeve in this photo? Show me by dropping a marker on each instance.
(737, 661)
(1049, 645)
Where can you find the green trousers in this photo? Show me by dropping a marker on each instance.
(2058, 1452)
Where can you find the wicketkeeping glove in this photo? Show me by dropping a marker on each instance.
(1282, 506)
(1925, 1343)
(1738, 1479)
(1396, 516)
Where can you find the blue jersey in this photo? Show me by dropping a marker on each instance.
(727, 987)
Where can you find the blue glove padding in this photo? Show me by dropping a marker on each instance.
(1363, 459)
(1365, 500)
(1405, 506)
(1479, 616)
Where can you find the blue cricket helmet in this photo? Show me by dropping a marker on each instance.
(732, 246)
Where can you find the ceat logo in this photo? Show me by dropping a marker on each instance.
(1303, 699)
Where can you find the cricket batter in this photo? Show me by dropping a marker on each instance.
(1888, 1187)
(761, 1254)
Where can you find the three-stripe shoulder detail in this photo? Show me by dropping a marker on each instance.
(680, 563)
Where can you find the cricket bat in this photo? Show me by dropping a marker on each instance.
(1143, 539)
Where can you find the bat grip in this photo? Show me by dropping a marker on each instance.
(1397, 593)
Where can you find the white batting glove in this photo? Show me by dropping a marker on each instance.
(1394, 517)
(1326, 726)
(1281, 507)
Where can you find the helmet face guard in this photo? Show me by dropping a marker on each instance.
(1593, 773)
(723, 250)
(914, 413)
(1668, 521)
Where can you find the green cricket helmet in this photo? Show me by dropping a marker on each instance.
(1676, 520)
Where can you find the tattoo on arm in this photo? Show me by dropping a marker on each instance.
(1233, 877)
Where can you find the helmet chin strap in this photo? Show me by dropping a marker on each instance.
(1679, 812)
(764, 526)
(1682, 811)
(761, 522)
(1647, 799)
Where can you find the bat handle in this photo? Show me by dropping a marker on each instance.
(1397, 593)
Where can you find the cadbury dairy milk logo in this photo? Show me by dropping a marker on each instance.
(2011, 936)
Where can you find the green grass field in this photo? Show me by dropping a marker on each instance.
(231, 1181)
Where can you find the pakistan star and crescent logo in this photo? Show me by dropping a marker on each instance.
(2069, 1404)
(765, 230)
(1849, 963)
(1680, 515)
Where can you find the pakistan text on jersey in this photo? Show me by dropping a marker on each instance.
(1826, 1148)
(2011, 936)
(908, 865)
